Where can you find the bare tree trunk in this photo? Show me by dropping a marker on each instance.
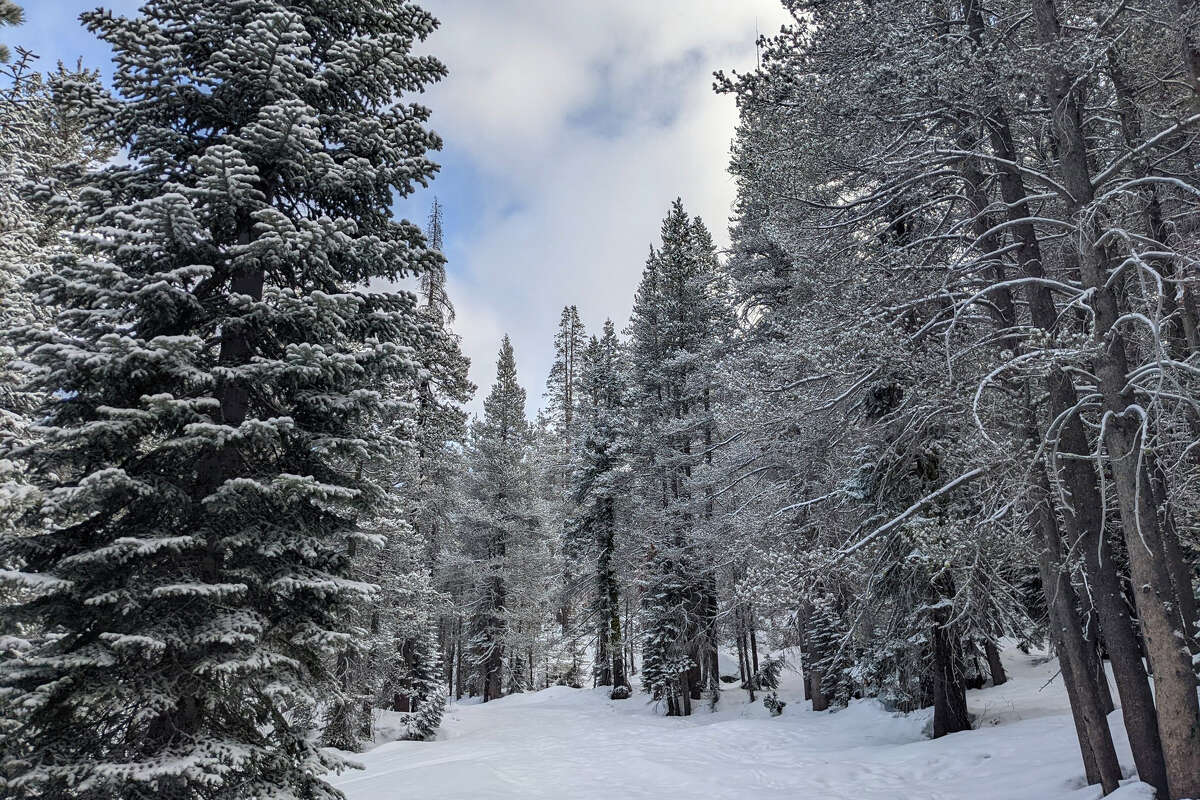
(1095, 740)
(806, 657)
(949, 691)
(602, 674)
(631, 668)
(459, 678)
(754, 646)
(995, 667)
(741, 653)
(1095, 662)
(694, 676)
(1100, 675)
(819, 701)
(450, 657)
(1082, 513)
(1157, 603)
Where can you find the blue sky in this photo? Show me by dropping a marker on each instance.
(569, 127)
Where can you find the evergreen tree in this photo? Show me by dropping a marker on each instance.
(401, 623)
(557, 562)
(562, 385)
(216, 369)
(600, 493)
(501, 521)
(562, 390)
(676, 328)
(37, 133)
(402, 669)
(931, 498)
(431, 483)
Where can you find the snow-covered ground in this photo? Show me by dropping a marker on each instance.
(575, 744)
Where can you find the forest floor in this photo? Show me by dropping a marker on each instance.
(576, 744)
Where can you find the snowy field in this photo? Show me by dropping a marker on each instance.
(575, 744)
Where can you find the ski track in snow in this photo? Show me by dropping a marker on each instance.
(576, 744)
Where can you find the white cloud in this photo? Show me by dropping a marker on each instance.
(583, 120)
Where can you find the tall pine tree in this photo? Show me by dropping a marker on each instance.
(600, 493)
(678, 319)
(216, 369)
(562, 389)
(37, 133)
(501, 522)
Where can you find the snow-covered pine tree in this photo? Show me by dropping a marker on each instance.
(37, 133)
(677, 324)
(562, 389)
(500, 520)
(539, 653)
(600, 494)
(216, 364)
(827, 646)
(406, 656)
(798, 197)
(431, 483)
(562, 384)
(546, 566)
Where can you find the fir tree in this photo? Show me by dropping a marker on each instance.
(562, 385)
(600, 492)
(562, 389)
(216, 368)
(501, 520)
(676, 328)
(431, 483)
(37, 133)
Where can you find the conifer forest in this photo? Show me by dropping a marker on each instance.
(884, 482)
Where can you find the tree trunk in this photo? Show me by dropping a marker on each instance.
(819, 701)
(806, 657)
(1157, 603)
(754, 647)
(694, 676)
(1082, 514)
(1095, 739)
(949, 691)
(741, 653)
(602, 674)
(995, 667)
(447, 645)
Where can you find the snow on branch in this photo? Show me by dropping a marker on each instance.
(916, 507)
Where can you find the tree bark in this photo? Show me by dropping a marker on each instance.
(695, 676)
(995, 667)
(819, 701)
(1095, 739)
(754, 647)
(1157, 602)
(949, 690)
(805, 653)
(740, 640)
(1082, 513)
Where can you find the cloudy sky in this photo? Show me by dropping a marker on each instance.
(569, 127)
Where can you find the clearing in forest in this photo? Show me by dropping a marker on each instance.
(576, 744)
